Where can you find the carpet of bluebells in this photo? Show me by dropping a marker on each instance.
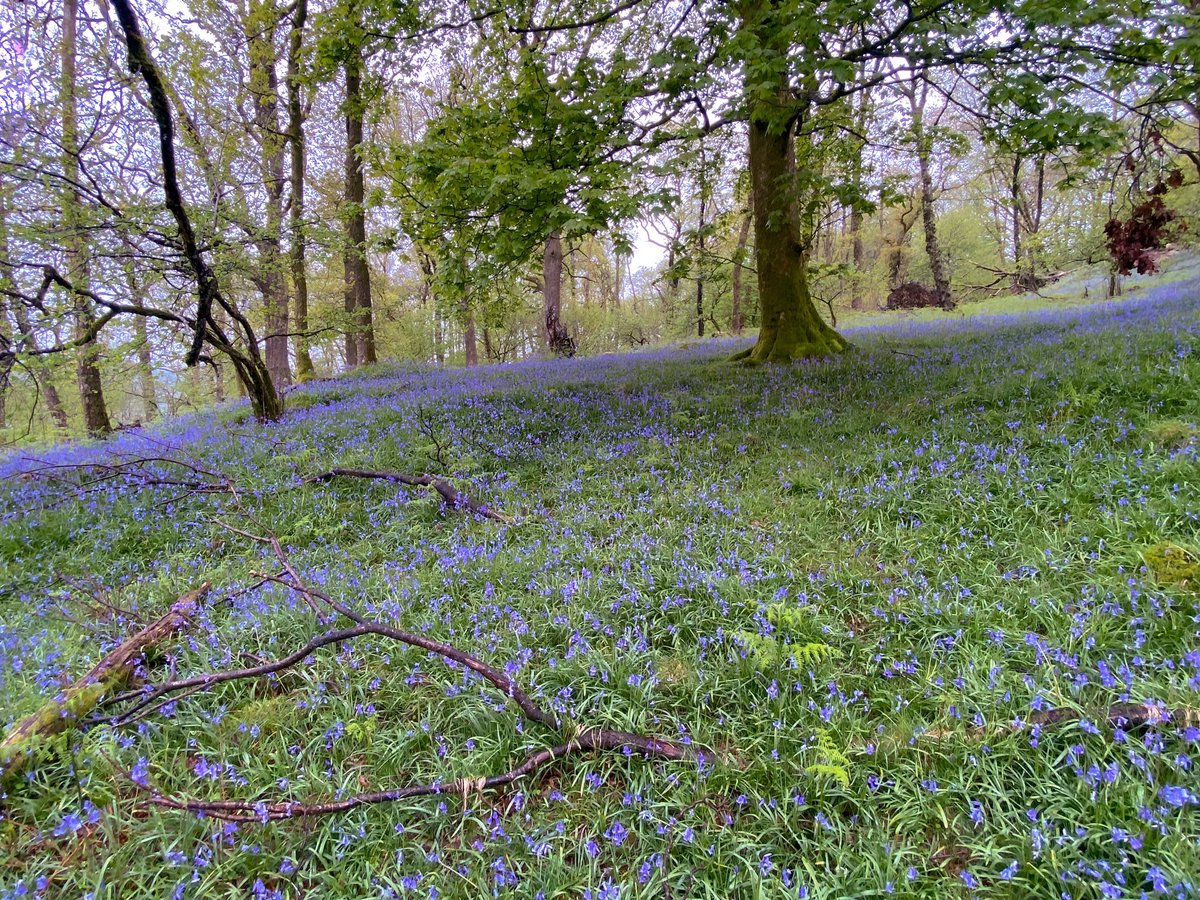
(851, 580)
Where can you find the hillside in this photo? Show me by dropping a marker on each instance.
(924, 618)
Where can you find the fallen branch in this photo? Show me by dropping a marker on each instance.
(88, 478)
(582, 738)
(1118, 715)
(66, 710)
(588, 739)
(454, 498)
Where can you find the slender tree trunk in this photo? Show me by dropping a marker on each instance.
(145, 366)
(557, 338)
(360, 341)
(145, 370)
(862, 117)
(261, 23)
(87, 369)
(615, 299)
(297, 251)
(739, 258)
(791, 328)
(856, 257)
(700, 262)
(937, 263)
(488, 351)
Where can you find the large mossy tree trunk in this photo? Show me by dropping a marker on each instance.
(791, 327)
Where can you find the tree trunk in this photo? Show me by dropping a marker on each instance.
(700, 262)
(615, 300)
(856, 257)
(1023, 264)
(360, 340)
(297, 256)
(557, 338)
(145, 366)
(937, 263)
(145, 370)
(470, 343)
(87, 369)
(261, 23)
(739, 258)
(791, 327)
(897, 268)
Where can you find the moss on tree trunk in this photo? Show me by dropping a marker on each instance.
(791, 326)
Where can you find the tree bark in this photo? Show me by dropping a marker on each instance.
(297, 251)
(739, 257)
(791, 328)
(470, 343)
(615, 298)
(700, 262)
(856, 257)
(360, 340)
(145, 367)
(87, 369)
(924, 141)
(1023, 263)
(557, 339)
(260, 25)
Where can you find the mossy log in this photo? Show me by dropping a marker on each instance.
(67, 709)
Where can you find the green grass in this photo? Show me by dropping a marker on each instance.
(848, 578)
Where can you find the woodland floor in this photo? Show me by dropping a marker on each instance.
(855, 584)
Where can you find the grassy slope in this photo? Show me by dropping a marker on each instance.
(957, 510)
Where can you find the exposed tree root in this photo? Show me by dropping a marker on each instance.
(454, 498)
(78, 700)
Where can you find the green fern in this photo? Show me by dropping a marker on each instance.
(767, 651)
(813, 654)
(834, 763)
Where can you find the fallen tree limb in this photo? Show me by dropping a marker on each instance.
(1118, 715)
(588, 739)
(66, 710)
(454, 498)
(581, 738)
